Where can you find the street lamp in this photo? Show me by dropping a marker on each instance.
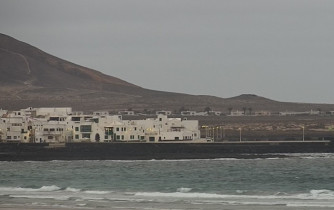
(303, 127)
(240, 134)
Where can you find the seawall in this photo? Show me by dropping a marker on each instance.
(148, 151)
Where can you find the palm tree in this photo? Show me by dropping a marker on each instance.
(250, 110)
(230, 110)
(207, 109)
(244, 108)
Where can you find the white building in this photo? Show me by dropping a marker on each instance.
(53, 125)
(163, 112)
(194, 113)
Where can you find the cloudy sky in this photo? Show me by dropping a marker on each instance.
(279, 49)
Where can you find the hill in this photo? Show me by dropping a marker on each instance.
(31, 77)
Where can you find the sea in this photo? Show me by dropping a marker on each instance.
(297, 181)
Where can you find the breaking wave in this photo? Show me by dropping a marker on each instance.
(313, 198)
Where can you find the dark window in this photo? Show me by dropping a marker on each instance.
(86, 135)
(77, 119)
(86, 128)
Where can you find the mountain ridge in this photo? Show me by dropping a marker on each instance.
(32, 77)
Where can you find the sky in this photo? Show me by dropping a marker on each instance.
(278, 49)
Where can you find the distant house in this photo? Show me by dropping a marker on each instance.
(193, 113)
(101, 113)
(163, 112)
(299, 113)
(330, 113)
(237, 113)
(3, 112)
(217, 113)
(126, 112)
(262, 113)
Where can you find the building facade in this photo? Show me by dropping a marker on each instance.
(59, 125)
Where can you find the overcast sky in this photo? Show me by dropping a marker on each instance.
(283, 49)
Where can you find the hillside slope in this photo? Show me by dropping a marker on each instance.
(31, 77)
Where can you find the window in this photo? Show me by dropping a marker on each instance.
(9, 137)
(76, 136)
(86, 128)
(45, 129)
(132, 137)
(118, 137)
(117, 129)
(86, 136)
(108, 131)
(76, 119)
(122, 137)
(76, 128)
(50, 137)
(52, 129)
(105, 137)
(135, 128)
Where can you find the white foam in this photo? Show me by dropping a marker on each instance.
(20, 189)
(179, 195)
(313, 195)
(184, 189)
(318, 195)
(55, 197)
(97, 192)
(49, 188)
(71, 189)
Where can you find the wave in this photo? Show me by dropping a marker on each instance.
(71, 189)
(184, 189)
(315, 194)
(55, 197)
(313, 198)
(312, 195)
(97, 192)
(42, 189)
(310, 155)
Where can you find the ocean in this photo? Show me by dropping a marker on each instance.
(300, 181)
